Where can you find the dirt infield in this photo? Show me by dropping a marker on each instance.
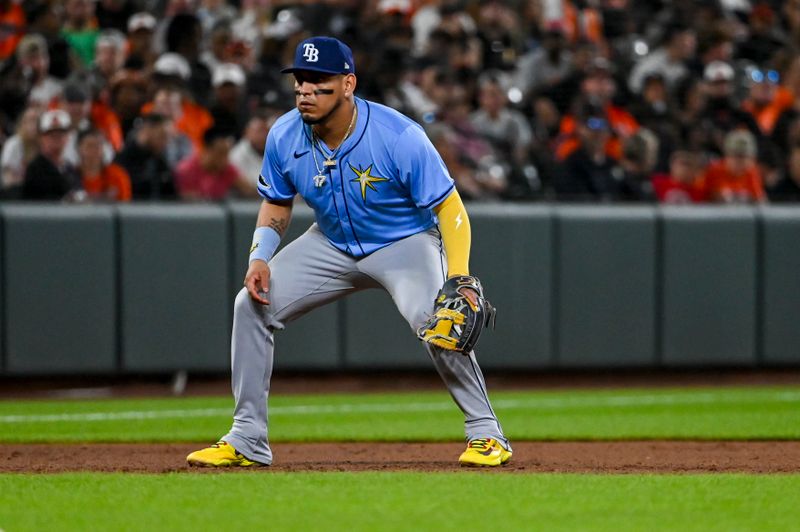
(529, 457)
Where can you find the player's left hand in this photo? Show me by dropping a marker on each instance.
(472, 296)
(459, 315)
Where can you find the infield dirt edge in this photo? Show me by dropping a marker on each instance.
(602, 457)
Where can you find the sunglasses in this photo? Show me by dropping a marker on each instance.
(760, 76)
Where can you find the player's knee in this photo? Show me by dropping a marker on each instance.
(243, 302)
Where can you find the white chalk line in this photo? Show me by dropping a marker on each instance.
(589, 402)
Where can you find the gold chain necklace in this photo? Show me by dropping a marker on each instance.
(329, 161)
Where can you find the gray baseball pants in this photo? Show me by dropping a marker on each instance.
(309, 273)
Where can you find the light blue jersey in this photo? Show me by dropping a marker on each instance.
(387, 178)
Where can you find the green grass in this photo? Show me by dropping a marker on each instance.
(398, 501)
(711, 413)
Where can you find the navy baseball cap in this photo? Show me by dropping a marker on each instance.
(323, 54)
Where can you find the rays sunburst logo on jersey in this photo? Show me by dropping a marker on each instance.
(366, 179)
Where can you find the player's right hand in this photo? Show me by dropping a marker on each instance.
(257, 281)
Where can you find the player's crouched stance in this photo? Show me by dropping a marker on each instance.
(387, 216)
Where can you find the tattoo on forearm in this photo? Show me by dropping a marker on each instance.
(279, 225)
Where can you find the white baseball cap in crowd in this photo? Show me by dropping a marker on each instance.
(718, 71)
(141, 21)
(172, 64)
(228, 73)
(54, 120)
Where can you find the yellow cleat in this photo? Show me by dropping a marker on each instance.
(484, 452)
(219, 455)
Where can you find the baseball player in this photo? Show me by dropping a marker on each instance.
(377, 187)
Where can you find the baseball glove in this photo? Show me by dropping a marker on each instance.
(456, 324)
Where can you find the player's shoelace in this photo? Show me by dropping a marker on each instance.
(481, 444)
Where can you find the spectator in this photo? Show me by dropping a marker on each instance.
(219, 41)
(46, 19)
(499, 34)
(669, 60)
(18, 151)
(480, 173)
(472, 183)
(598, 89)
(720, 113)
(167, 102)
(589, 172)
(209, 175)
(101, 181)
(29, 82)
(127, 93)
(109, 58)
(504, 127)
(764, 39)
(141, 29)
(545, 123)
(715, 46)
(681, 185)
(228, 111)
(12, 22)
(213, 13)
(655, 110)
(47, 177)
(639, 157)
(81, 29)
(564, 92)
(735, 178)
(77, 103)
(767, 99)
(787, 189)
(183, 37)
(144, 158)
(171, 71)
(544, 67)
(247, 155)
(114, 14)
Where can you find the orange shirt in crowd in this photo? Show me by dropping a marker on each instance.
(193, 123)
(583, 23)
(113, 179)
(106, 120)
(622, 123)
(767, 116)
(670, 190)
(719, 182)
(12, 28)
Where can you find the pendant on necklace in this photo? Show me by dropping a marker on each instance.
(329, 162)
(319, 180)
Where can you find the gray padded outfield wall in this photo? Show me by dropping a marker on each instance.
(93, 289)
(174, 283)
(312, 341)
(512, 255)
(2, 299)
(780, 267)
(376, 335)
(518, 285)
(709, 286)
(606, 286)
(59, 302)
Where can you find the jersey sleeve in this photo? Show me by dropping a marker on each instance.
(272, 182)
(421, 168)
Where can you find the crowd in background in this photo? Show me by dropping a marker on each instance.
(677, 101)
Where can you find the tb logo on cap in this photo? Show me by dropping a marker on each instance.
(310, 52)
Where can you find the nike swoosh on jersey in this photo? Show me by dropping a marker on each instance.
(299, 154)
(263, 181)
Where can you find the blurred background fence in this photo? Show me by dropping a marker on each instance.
(149, 289)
